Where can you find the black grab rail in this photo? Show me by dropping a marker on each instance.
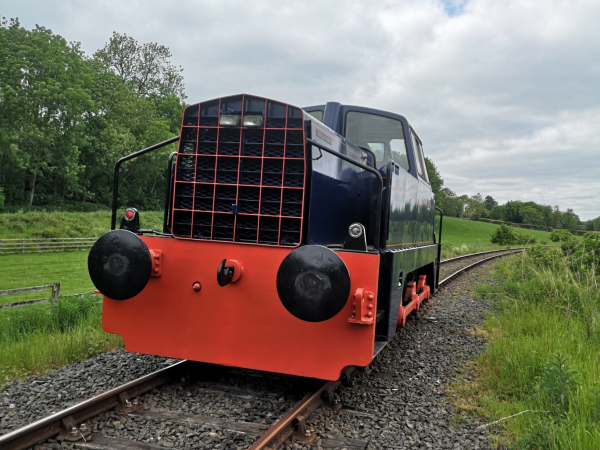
(113, 221)
(439, 252)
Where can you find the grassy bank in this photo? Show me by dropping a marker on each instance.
(461, 236)
(543, 351)
(36, 338)
(56, 224)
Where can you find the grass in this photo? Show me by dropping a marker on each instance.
(36, 269)
(461, 236)
(542, 353)
(56, 224)
(37, 338)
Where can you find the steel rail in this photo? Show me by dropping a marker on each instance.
(480, 253)
(64, 421)
(476, 263)
(294, 420)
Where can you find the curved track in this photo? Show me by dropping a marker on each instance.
(73, 424)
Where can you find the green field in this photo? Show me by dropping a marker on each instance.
(36, 269)
(461, 236)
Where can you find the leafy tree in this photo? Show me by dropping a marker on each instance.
(145, 68)
(476, 207)
(513, 211)
(531, 215)
(44, 98)
(451, 204)
(489, 202)
(436, 180)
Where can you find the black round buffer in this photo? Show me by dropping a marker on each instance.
(120, 264)
(313, 283)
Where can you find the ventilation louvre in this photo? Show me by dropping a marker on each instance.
(240, 184)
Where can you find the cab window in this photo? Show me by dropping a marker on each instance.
(418, 152)
(317, 114)
(382, 135)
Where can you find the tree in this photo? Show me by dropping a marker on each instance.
(145, 68)
(512, 211)
(451, 204)
(436, 180)
(476, 207)
(490, 202)
(531, 215)
(43, 100)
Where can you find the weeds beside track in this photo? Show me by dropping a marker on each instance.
(543, 351)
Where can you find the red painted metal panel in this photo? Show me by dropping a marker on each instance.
(242, 324)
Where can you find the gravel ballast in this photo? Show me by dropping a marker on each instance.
(42, 395)
(402, 404)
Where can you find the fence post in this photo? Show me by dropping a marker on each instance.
(55, 292)
(63, 244)
(23, 245)
(77, 244)
(0, 245)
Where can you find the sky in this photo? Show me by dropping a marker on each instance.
(504, 94)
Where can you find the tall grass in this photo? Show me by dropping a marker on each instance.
(41, 337)
(544, 350)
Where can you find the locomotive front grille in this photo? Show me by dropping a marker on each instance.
(240, 183)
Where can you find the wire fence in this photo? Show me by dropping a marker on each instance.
(43, 245)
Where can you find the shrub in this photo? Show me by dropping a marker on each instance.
(561, 236)
(503, 236)
(524, 239)
(2, 198)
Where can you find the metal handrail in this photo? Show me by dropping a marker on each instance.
(368, 169)
(113, 221)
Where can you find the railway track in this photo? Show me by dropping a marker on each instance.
(289, 401)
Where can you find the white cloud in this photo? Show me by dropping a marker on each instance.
(504, 94)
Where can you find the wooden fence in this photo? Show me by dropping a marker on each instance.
(43, 245)
(53, 296)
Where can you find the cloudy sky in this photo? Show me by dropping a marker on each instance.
(504, 94)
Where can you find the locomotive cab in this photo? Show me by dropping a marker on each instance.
(288, 239)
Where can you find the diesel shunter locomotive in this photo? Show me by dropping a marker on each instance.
(295, 240)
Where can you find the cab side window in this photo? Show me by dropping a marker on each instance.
(382, 135)
(317, 114)
(418, 153)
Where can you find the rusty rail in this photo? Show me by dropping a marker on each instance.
(476, 263)
(68, 422)
(293, 423)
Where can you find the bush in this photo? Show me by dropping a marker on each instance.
(524, 239)
(503, 236)
(561, 236)
(2, 198)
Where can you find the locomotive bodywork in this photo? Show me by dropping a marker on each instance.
(288, 243)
